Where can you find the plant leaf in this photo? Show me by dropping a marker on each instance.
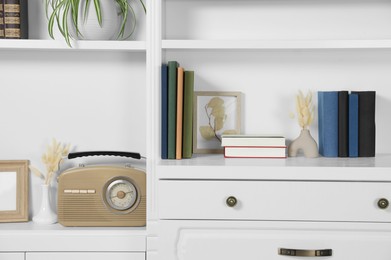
(98, 11)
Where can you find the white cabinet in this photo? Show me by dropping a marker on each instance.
(269, 50)
(12, 256)
(83, 256)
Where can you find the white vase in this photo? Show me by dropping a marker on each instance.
(304, 142)
(90, 28)
(46, 215)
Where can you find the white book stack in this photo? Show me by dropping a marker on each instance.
(253, 146)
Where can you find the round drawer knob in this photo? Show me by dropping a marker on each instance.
(383, 203)
(231, 201)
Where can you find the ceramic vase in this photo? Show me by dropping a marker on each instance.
(304, 142)
(89, 26)
(46, 215)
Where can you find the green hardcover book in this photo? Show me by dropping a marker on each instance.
(188, 93)
(171, 128)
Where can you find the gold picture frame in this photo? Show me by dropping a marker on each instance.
(14, 191)
(214, 113)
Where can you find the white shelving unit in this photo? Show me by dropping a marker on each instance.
(267, 50)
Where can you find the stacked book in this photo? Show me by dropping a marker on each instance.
(347, 123)
(253, 146)
(177, 111)
(13, 19)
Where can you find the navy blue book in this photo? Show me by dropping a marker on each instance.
(366, 123)
(328, 123)
(164, 146)
(353, 125)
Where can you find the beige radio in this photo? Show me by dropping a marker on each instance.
(102, 195)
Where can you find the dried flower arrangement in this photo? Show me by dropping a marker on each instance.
(304, 109)
(305, 114)
(52, 159)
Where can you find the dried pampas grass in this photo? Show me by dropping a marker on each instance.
(304, 109)
(51, 159)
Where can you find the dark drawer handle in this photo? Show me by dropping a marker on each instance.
(383, 203)
(231, 201)
(301, 252)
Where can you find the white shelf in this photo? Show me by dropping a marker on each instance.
(136, 46)
(275, 44)
(300, 168)
(33, 237)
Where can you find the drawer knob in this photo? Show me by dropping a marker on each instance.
(383, 203)
(231, 201)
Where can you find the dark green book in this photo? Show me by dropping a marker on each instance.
(171, 127)
(188, 93)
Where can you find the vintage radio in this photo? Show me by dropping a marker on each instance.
(102, 195)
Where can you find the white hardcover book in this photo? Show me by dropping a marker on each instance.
(252, 140)
(254, 152)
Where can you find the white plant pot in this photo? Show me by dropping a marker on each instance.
(89, 27)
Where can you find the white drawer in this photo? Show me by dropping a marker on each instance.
(85, 255)
(255, 240)
(274, 200)
(11, 256)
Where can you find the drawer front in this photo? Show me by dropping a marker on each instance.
(274, 200)
(84, 256)
(11, 256)
(209, 240)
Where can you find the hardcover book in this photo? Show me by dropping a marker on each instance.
(15, 19)
(164, 124)
(328, 123)
(179, 113)
(188, 93)
(366, 123)
(353, 125)
(1, 19)
(171, 127)
(343, 126)
(255, 151)
(252, 140)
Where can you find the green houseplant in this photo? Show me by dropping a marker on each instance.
(68, 13)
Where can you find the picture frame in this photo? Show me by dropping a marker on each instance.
(14, 191)
(214, 113)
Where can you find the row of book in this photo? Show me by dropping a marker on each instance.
(253, 146)
(177, 111)
(347, 123)
(13, 19)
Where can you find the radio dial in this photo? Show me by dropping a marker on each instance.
(121, 194)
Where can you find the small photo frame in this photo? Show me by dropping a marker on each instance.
(215, 113)
(13, 191)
